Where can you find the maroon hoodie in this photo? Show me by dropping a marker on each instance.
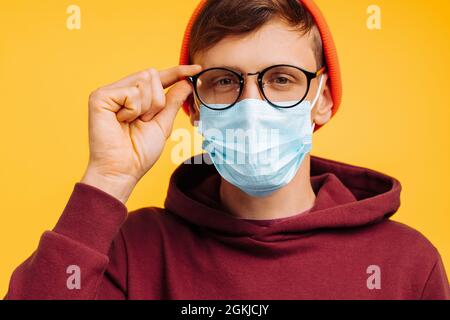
(345, 247)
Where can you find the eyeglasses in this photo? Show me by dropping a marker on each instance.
(282, 85)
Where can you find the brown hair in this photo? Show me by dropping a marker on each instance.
(221, 18)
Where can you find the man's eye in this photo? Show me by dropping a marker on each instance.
(224, 82)
(281, 80)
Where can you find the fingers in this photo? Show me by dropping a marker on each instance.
(178, 73)
(141, 95)
(168, 77)
(146, 95)
(163, 79)
(158, 101)
(174, 100)
(130, 100)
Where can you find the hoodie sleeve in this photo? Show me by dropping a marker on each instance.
(83, 257)
(437, 286)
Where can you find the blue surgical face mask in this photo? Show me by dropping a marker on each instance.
(255, 146)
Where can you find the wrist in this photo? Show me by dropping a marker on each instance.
(120, 187)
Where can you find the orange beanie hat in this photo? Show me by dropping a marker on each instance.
(330, 53)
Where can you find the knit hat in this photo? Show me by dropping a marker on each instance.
(330, 53)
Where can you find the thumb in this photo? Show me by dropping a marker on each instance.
(175, 98)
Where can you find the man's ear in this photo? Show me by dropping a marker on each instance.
(194, 113)
(323, 109)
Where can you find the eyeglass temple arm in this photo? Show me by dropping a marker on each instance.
(321, 71)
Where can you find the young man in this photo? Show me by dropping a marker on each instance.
(299, 227)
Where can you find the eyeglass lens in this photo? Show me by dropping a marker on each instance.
(281, 84)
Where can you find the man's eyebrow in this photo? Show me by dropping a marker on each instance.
(239, 69)
(234, 68)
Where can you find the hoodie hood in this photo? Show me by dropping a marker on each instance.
(347, 196)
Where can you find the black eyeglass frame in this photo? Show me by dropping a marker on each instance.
(309, 76)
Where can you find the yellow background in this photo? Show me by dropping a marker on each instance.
(394, 118)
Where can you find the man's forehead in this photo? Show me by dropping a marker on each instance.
(251, 62)
(259, 50)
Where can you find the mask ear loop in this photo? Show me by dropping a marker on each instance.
(317, 97)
